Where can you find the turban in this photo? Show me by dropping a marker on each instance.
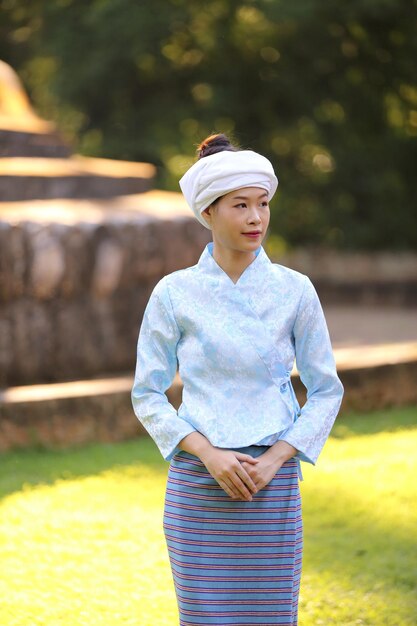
(217, 174)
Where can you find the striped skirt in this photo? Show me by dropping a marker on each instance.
(233, 562)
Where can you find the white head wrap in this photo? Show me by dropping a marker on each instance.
(217, 174)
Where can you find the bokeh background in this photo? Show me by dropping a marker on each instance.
(326, 91)
(102, 105)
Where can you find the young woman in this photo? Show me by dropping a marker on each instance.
(234, 323)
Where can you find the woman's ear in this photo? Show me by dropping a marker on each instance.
(207, 214)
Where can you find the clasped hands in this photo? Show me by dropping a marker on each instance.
(241, 475)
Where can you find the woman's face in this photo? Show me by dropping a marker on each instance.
(238, 212)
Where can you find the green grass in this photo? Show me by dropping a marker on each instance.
(81, 539)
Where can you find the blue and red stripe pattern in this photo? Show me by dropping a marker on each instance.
(233, 562)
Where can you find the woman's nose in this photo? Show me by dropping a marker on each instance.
(254, 215)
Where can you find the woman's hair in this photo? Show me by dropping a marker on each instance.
(215, 143)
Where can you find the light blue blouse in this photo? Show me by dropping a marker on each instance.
(235, 345)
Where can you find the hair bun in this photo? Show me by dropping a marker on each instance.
(213, 144)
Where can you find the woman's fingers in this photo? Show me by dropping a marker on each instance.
(243, 473)
(230, 490)
(242, 480)
(226, 467)
(244, 483)
(236, 485)
(245, 457)
(247, 478)
(249, 470)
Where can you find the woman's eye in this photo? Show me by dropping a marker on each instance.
(243, 204)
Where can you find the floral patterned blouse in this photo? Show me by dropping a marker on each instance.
(235, 345)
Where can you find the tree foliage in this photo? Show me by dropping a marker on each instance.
(325, 89)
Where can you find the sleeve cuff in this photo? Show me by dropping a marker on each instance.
(168, 453)
(301, 454)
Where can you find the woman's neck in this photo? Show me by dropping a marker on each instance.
(233, 262)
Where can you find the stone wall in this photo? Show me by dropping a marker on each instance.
(365, 278)
(72, 296)
(102, 410)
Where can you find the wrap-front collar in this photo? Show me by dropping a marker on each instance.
(209, 266)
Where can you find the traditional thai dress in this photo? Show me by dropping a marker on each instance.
(235, 562)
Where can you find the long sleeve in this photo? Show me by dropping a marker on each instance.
(156, 366)
(317, 369)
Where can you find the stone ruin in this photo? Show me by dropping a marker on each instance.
(82, 243)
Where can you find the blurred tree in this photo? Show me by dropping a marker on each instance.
(326, 90)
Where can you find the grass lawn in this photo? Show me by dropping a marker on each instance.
(81, 539)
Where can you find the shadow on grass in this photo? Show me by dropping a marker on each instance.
(44, 466)
(388, 420)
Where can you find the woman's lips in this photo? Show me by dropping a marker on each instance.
(252, 235)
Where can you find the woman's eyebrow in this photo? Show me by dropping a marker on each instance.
(246, 197)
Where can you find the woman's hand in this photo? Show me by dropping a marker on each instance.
(263, 472)
(269, 463)
(240, 475)
(226, 467)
